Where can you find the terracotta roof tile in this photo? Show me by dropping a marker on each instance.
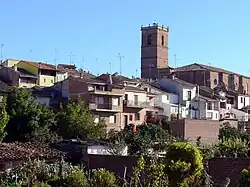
(24, 151)
(40, 65)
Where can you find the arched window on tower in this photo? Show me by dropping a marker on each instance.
(149, 39)
(162, 40)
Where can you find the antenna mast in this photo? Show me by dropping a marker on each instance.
(175, 64)
(110, 68)
(120, 59)
(70, 58)
(55, 60)
(82, 62)
(1, 53)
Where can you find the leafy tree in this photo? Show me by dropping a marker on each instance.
(76, 121)
(4, 119)
(185, 166)
(145, 138)
(28, 119)
(228, 132)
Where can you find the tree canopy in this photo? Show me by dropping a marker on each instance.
(76, 121)
(28, 119)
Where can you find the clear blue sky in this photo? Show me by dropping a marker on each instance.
(204, 31)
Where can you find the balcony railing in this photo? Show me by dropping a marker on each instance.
(136, 104)
(104, 107)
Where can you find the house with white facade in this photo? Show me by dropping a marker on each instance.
(243, 101)
(162, 99)
(192, 105)
(185, 91)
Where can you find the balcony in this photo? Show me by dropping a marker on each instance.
(115, 92)
(136, 104)
(106, 107)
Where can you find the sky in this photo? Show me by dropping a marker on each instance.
(92, 33)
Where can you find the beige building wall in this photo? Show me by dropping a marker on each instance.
(10, 62)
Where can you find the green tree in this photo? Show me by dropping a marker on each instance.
(4, 119)
(76, 121)
(28, 119)
(145, 138)
(185, 164)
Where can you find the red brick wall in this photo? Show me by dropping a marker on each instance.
(191, 129)
(221, 168)
(218, 168)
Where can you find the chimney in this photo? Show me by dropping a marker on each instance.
(15, 67)
(110, 79)
(173, 76)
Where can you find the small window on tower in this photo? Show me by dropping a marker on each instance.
(162, 40)
(149, 39)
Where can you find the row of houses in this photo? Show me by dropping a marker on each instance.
(121, 100)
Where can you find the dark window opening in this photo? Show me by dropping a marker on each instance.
(130, 117)
(137, 116)
(215, 82)
(189, 95)
(209, 106)
(241, 99)
(162, 40)
(149, 40)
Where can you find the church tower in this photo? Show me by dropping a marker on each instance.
(154, 50)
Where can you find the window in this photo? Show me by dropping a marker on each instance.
(146, 89)
(137, 116)
(114, 118)
(209, 106)
(126, 97)
(215, 82)
(189, 95)
(130, 117)
(136, 99)
(44, 80)
(149, 39)
(51, 81)
(162, 40)
(241, 99)
(99, 100)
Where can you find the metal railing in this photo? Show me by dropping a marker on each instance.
(104, 106)
(136, 104)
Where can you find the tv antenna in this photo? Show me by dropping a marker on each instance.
(55, 59)
(70, 58)
(136, 73)
(82, 62)
(2, 52)
(120, 59)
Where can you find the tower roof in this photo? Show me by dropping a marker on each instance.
(155, 26)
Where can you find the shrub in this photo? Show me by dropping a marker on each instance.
(76, 179)
(103, 178)
(185, 164)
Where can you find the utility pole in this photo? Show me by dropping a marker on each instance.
(120, 59)
(1, 53)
